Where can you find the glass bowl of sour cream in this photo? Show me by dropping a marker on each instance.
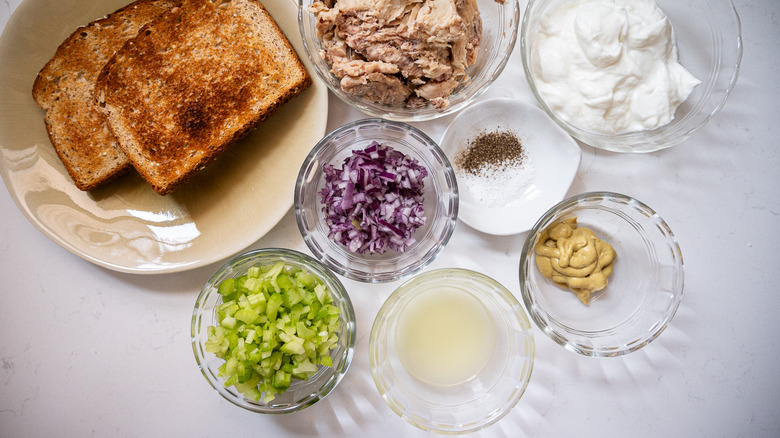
(451, 351)
(631, 75)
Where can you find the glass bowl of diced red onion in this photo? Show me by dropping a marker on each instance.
(376, 200)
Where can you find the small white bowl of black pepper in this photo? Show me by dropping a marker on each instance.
(512, 163)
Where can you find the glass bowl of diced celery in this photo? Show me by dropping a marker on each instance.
(273, 331)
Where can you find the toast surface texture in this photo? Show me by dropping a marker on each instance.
(194, 82)
(65, 89)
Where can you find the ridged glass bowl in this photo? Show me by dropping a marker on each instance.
(709, 44)
(469, 404)
(440, 204)
(643, 291)
(500, 23)
(300, 394)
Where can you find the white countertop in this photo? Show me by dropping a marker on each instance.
(85, 351)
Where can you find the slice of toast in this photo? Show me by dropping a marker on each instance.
(65, 85)
(194, 82)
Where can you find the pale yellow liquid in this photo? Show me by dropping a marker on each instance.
(445, 336)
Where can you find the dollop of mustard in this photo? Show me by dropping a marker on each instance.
(574, 257)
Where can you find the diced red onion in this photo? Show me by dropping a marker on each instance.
(374, 202)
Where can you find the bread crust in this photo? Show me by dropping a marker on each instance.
(65, 89)
(194, 82)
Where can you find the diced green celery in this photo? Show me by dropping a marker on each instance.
(228, 322)
(272, 308)
(255, 355)
(226, 287)
(310, 349)
(226, 305)
(292, 347)
(253, 272)
(252, 382)
(270, 393)
(250, 336)
(307, 296)
(232, 339)
(291, 297)
(305, 368)
(296, 312)
(272, 274)
(276, 360)
(322, 313)
(244, 371)
(213, 346)
(253, 284)
(239, 283)
(275, 323)
(305, 279)
(285, 282)
(281, 380)
(274, 271)
(257, 300)
(231, 365)
(314, 308)
(303, 331)
(231, 309)
(231, 380)
(320, 291)
(247, 316)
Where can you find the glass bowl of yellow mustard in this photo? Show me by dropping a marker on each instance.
(601, 273)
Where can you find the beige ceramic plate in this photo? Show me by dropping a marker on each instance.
(126, 226)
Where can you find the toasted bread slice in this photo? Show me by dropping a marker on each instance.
(65, 85)
(194, 82)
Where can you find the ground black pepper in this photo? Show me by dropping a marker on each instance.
(491, 150)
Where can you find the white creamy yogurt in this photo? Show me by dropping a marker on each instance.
(609, 66)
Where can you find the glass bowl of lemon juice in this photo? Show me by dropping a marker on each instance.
(451, 351)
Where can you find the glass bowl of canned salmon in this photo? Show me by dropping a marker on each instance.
(409, 60)
(273, 331)
(631, 75)
(376, 200)
(451, 351)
